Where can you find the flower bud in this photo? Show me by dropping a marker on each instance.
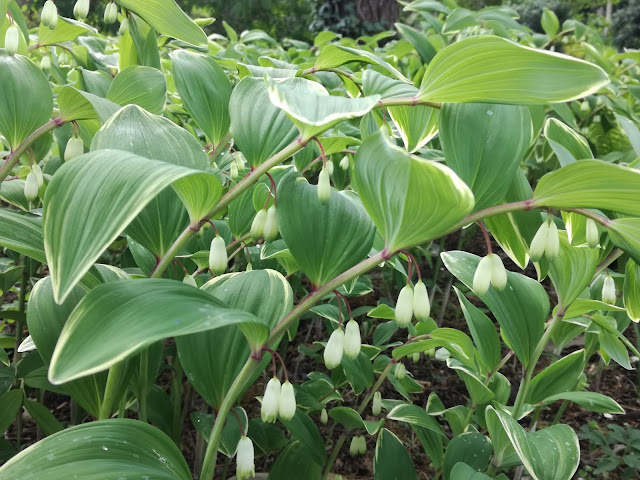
(344, 163)
(400, 371)
(536, 249)
(330, 168)
(354, 447)
(63, 59)
(498, 272)
(593, 235)
(49, 13)
(376, 406)
(271, 401)
(421, 305)
(189, 280)
(124, 25)
(609, 290)
(324, 416)
(415, 358)
(110, 13)
(362, 445)
(249, 267)
(352, 341)
(81, 9)
(482, 277)
(35, 168)
(333, 350)
(245, 466)
(12, 39)
(257, 226)
(404, 306)
(233, 171)
(31, 187)
(75, 148)
(324, 186)
(218, 255)
(287, 407)
(45, 63)
(552, 246)
(271, 225)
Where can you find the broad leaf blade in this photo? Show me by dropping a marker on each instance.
(492, 69)
(22, 233)
(138, 85)
(392, 461)
(118, 319)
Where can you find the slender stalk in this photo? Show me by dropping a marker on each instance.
(604, 221)
(609, 259)
(407, 102)
(176, 398)
(13, 158)
(242, 186)
(560, 412)
(22, 307)
(113, 379)
(524, 385)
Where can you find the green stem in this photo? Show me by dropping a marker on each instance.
(22, 307)
(524, 385)
(242, 186)
(143, 385)
(13, 158)
(612, 257)
(604, 221)
(176, 398)
(561, 410)
(113, 381)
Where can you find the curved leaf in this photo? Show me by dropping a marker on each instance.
(167, 18)
(122, 447)
(567, 144)
(325, 239)
(116, 320)
(81, 220)
(631, 290)
(625, 233)
(26, 102)
(22, 233)
(213, 359)
(391, 460)
(205, 91)
(491, 69)
(592, 401)
(410, 200)
(561, 376)
(259, 128)
(143, 86)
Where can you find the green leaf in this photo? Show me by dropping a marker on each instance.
(549, 22)
(296, 458)
(143, 86)
(625, 233)
(265, 294)
(552, 453)
(414, 415)
(10, 403)
(333, 56)
(482, 330)
(472, 448)
(631, 290)
(592, 401)
(205, 91)
(419, 42)
(521, 309)
(416, 124)
(122, 447)
(43, 417)
(572, 270)
(22, 233)
(591, 184)
(513, 231)
(77, 105)
(157, 138)
(259, 128)
(632, 131)
(26, 102)
(116, 320)
(351, 420)
(561, 376)
(359, 372)
(462, 471)
(45, 319)
(310, 106)
(81, 220)
(567, 144)
(491, 69)
(167, 18)
(305, 431)
(410, 200)
(391, 460)
(325, 239)
(614, 348)
(484, 144)
(67, 30)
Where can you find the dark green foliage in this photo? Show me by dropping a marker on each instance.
(626, 24)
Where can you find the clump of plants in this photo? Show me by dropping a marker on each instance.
(179, 210)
